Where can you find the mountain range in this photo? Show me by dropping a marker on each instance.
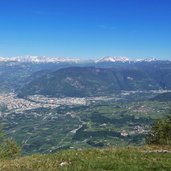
(61, 77)
(43, 59)
(93, 81)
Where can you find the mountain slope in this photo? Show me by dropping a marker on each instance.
(163, 97)
(89, 81)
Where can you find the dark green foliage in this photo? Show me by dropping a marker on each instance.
(95, 144)
(8, 147)
(160, 133)
(99, 118)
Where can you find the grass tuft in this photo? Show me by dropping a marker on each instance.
(109, 159)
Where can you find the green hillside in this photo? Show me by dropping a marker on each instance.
(163, 97)
(89, 81)
(130, 159)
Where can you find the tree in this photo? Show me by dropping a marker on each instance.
(8, 147)
(160, 133)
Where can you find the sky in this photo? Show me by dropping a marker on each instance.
(86, 29)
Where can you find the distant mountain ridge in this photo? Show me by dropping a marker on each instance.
(113, 59)
(43, 59)
(19, 72)
(38, 59)
(93, 81)
(163, 97)
(124, 59)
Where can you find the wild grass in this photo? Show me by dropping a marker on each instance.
(122, 159)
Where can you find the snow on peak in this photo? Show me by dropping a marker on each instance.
(43, 59)
(146, 60)
(39, 59)
(124, 59)
(113, 59)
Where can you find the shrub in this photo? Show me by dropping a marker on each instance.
(160, 133)
(8, 147)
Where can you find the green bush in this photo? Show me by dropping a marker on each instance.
(8, 147)
(160, 133)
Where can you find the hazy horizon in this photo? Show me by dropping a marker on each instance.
(90, 58)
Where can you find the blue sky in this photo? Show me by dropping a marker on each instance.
(86, 28)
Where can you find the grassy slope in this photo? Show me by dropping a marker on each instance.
(129, 159)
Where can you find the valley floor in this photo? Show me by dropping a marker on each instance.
(42, 124)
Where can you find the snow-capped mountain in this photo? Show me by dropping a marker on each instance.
(43, 59)
(113, 59)
(146, 60)
(39, 59)
(110, 59)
